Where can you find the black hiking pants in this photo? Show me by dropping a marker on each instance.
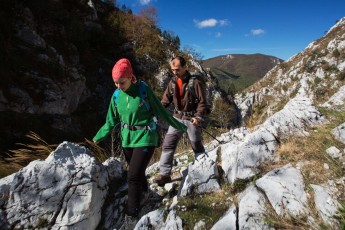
(137, 160)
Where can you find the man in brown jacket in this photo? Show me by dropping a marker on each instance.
(190, 109)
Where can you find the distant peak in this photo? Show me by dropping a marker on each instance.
(229, 56)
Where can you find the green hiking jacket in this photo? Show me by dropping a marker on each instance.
(131, 110)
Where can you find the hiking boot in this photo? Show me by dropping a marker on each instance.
(176, 176)
(162, 180)
(129, 222)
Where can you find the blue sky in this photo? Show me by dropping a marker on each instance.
(281, 28)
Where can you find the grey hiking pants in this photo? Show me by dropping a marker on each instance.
(171, 140)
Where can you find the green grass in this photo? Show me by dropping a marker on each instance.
(209, 208)
(235, 83)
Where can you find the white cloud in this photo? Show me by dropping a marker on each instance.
(210, 23)
(206, 23)
(257, 32)
(218, 34)
(223, 22)
(144, 2)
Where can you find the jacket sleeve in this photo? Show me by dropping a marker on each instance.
(202, 107)
(167, 97)
(162, 112)
(111, 121)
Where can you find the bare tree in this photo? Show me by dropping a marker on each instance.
(222, 113)
(192, 51)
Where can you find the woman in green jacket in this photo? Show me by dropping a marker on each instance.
(139, 136)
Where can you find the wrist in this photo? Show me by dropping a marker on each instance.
(198, 118)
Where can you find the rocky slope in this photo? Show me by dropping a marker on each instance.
(315, 73)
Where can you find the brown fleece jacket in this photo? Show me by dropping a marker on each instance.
(186, 102)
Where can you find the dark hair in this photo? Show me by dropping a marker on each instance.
(181, 59)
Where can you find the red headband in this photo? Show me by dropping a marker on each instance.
(123, 69)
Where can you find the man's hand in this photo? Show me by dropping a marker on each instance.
(194, 121)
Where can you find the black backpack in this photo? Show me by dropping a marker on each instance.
(191, 88)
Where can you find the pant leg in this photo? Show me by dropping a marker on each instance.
(195, 137)
(136, 173)
(144, 184)
(169, 145)
(128, 155)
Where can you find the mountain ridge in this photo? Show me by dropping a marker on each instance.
(241, 70)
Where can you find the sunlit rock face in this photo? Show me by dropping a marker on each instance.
(68, 188)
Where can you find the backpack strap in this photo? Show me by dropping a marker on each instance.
(116, 96)
(173, 86)
(191, 89)
(144, 98)
(143, 94)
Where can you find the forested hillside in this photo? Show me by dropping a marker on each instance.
(235, 72)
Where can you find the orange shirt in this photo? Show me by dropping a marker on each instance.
(179, 85)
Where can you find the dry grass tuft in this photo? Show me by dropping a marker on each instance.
(277, 222)
(39, 149)
(311, 151)
(341, 216)
(98, 152)
(288, 222)
(18, 158)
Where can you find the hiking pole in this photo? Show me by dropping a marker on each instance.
(220, 142)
